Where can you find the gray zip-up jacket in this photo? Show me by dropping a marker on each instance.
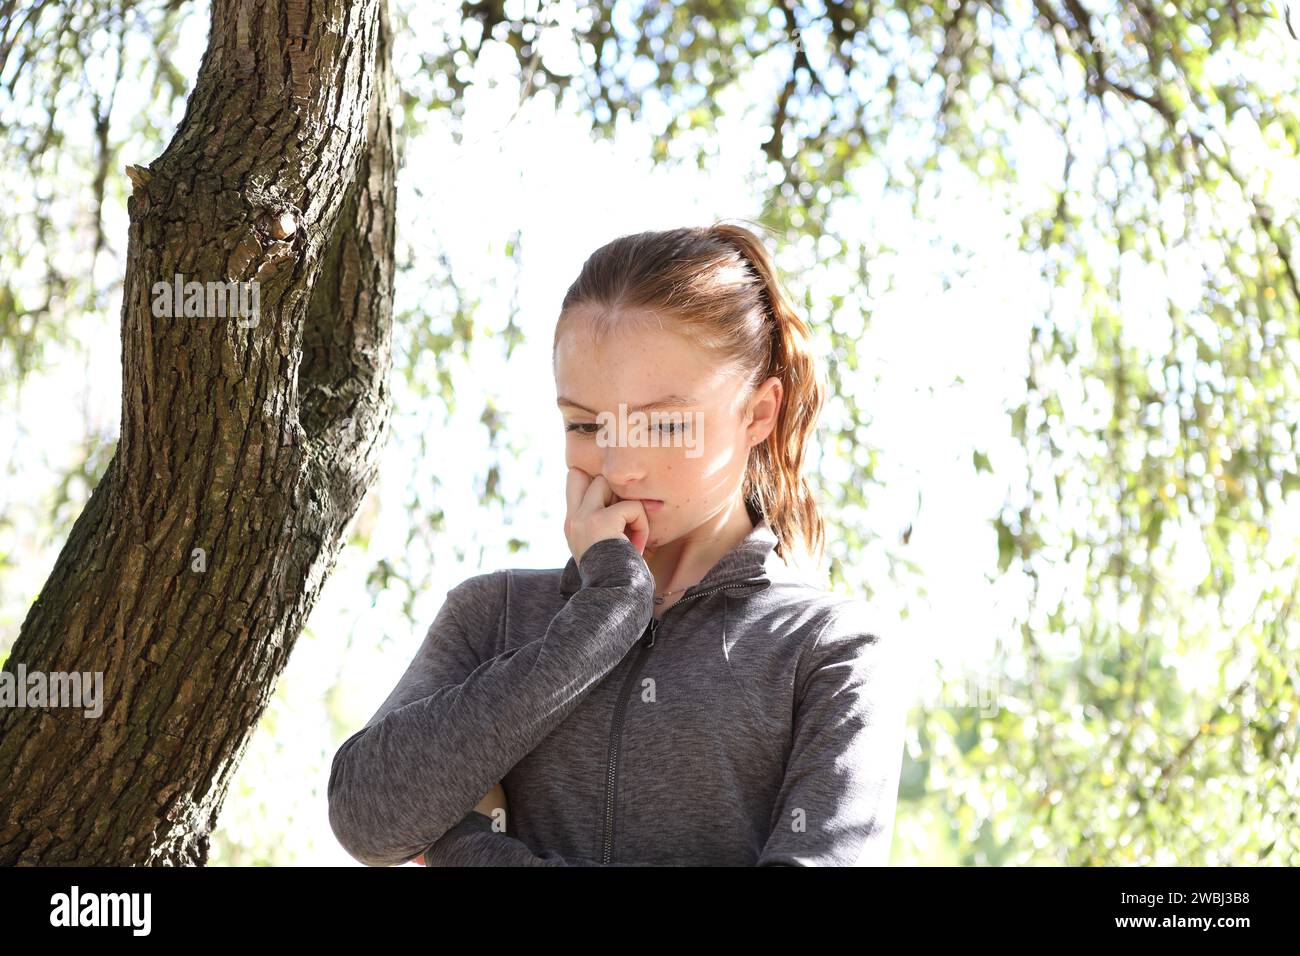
(759, 722)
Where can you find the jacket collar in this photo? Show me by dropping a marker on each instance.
(753, 562)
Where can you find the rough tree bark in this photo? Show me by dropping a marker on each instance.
(244, 451)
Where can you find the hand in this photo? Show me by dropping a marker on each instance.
(596, 514)
(494, 798)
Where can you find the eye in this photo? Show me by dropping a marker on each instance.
(673, 427)
(580, 426)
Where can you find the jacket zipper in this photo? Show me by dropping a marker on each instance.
(646, 642)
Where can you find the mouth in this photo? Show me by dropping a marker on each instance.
(650, 504)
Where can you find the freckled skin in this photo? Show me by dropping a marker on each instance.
(704, 515)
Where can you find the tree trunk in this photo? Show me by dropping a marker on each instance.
(245, 449)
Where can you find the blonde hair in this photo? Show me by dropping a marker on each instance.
(719, 284)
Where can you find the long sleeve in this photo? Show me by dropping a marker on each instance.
(459, 718)
(473, 842)
(837, 800)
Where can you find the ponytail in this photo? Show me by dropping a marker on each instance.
(774, 482)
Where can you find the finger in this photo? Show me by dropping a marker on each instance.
(636, 525)
(575, 488)
(599, 495)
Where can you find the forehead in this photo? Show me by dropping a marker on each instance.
(637, 359)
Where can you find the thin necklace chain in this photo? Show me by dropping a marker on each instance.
(660, 595)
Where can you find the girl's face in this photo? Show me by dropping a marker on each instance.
(693, 462)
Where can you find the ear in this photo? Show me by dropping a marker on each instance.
(764, 409)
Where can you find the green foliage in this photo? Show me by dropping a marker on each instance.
(61, 69)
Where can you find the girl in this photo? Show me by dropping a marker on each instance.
(676, 694)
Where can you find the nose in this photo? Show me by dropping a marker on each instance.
(623, 467)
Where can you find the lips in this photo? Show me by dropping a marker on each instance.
(650, 504)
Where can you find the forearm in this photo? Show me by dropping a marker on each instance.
(405, 779)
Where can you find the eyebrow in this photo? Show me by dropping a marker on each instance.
(668, 401)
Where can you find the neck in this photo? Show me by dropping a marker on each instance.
(684, 561)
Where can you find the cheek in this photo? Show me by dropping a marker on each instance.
(580, 452)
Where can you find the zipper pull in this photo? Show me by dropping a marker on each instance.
(649, 639)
